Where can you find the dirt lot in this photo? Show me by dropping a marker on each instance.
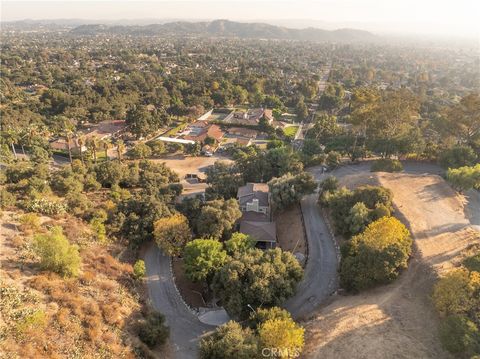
(290, 233)
(188, 164)
(398, 321)
(191, 292)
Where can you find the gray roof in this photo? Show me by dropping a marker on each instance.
(261, 231)
(253, 191)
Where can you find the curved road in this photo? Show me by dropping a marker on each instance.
(185, 328)
(320, 279)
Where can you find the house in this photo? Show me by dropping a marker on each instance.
(254, 197)
(200, 130)
(254, 202)
(251, 117)
(242, 131)
(264, 232)
(104, 129)
(60, 144)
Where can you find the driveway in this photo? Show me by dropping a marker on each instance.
(320, 278)
(185, 328)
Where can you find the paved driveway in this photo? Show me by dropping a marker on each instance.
(185, 328)
(321, 278)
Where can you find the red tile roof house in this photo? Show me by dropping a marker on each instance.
(101, 131)
(200, 132)
(254, 201)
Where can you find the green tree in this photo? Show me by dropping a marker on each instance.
(375, 256)
(257, 278)
(460, 336)
(203, 257)
(458, 156)
(172, 233)
(229, 341)
(153, 331)
(290, 189)
(464, 178)
(239, 243)
(56, 253)
(358, 218)
(458, 292)
(216, 218)
(224, 180)
(284, 335)
(140, 151)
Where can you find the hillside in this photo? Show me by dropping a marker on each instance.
(226, 28)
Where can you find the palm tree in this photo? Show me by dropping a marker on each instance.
(80, 143)
(120, 149)
(92, 144)
(11, 137)
(106, 144)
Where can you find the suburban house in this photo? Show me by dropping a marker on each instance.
(200, 130)
(244, 132)
(99, 131)
(254, 201)
(251, 117)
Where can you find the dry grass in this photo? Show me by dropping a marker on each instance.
(94, 315)
(290, 232)
(398, 320)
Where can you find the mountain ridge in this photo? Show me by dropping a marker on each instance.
(227, 28)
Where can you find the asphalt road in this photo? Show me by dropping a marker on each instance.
(185, 328)
(320, 277)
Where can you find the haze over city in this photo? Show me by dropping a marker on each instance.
(240, 179)
(444, 17)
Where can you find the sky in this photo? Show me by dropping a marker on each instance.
(442, 17)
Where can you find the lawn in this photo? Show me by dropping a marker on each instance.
(290, 131)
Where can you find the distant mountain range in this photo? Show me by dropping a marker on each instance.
(226, 28)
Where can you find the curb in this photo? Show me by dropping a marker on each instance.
(195, 312)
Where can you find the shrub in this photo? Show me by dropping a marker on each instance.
(375, 256)
(139, 270)
(458, 156)
(7, 199)
(44, 206)
(333, 159)
(464, 178)
(455, 293)
(459, 335)
(229, 341)
(154, 331)
(30, 221)
(472, 263)
(386, 165)
(56, 253)
(261, 315)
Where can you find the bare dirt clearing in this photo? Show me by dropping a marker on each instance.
(290, 232)
(189, 164)
(398, 320)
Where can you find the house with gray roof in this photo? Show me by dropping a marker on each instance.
(254, 201)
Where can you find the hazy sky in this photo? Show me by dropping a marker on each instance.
(454, 17)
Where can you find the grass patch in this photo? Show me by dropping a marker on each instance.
(290, 131)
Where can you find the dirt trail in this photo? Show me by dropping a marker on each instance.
(398, 321)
